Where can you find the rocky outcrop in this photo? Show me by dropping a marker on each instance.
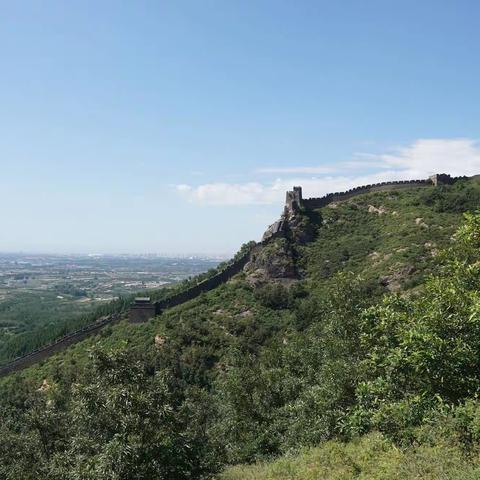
(395, 280)
(275, 257)
(379, 211)
(301, 229)
(273, 261)
(419, 221)
(275, 230)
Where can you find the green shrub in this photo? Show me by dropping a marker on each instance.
(368, 458)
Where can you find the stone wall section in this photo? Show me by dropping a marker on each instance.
(378, 187)
(61, 344)
(228, 272)
(435, 180)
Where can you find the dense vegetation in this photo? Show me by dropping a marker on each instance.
(36, 311)
(371, 457)
(369, 368)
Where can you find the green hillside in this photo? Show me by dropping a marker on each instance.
(371, 457)
(356, 334)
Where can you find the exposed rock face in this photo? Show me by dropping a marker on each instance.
(301, 230)
(432, 248)
(45, 386)
(377, 257)
(273, 261)
(419, 221)
(256, 277)
(276, 229)
(379, 211)
(394, 281)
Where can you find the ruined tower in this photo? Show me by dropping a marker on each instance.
(293, 200)
(441, 179)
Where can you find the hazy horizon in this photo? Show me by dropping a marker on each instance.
(176, 127)
(119, 254)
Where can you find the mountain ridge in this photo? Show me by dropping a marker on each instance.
(294, 204)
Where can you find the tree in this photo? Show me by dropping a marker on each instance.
(422, 351)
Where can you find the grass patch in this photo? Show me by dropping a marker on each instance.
(371, 457)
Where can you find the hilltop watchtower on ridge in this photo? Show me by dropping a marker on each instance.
(441, 179)
(293, 200)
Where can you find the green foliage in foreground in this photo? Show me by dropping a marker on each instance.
(369, 458)
(389, 367)
(123, 422)
(416, 353)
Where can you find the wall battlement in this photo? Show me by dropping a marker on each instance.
(57, 346)
(378, 187)
(294, 199)
(434, 180)
(234, 267)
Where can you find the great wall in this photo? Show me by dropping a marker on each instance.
(142, 310)
(61, 344)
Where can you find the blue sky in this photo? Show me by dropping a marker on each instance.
(176, 126)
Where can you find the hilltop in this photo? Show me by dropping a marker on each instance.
(294, 350)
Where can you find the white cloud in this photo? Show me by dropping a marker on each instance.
(184, 188)
(361, 160)
(416, 161)
(230, 193)
(454, 156)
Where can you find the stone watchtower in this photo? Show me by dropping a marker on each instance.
(142, 310)
(441, 179)
(293, 201)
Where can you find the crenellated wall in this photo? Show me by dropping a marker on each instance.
(378, 187)
(438, 179)
(206, 285)
(61, 344)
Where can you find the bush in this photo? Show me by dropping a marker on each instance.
(272, 295)
(371, 457)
